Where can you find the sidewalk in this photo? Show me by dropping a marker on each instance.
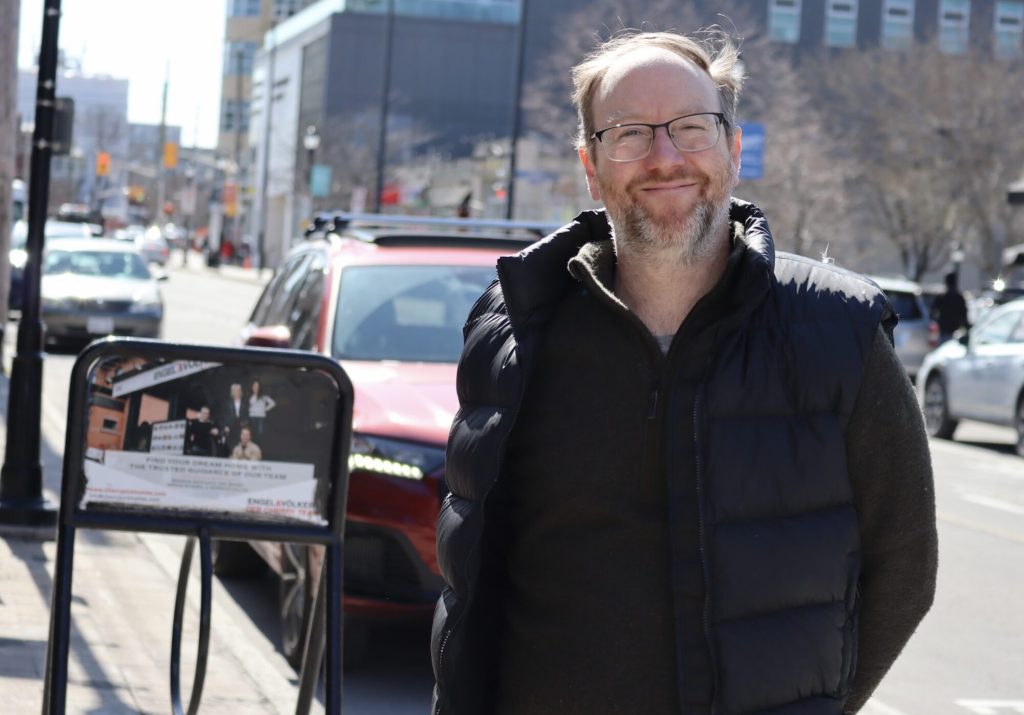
(123, 603)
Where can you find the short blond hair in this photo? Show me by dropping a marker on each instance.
(714, 53)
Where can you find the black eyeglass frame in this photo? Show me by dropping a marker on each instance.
(722, 122)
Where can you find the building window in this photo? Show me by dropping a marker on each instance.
(284, 9)
(841, 23)
(244, 8)
(1009, 29)
(784, 20)
(954, 22)
(238, 57)
(234, 115)
(898, 24)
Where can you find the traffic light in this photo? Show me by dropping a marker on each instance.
(103, 164)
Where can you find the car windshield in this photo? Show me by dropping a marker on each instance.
(106, 264)
(406, 313)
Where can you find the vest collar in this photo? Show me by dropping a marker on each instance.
(537, 277)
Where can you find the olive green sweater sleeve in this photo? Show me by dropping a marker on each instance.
(891, 473)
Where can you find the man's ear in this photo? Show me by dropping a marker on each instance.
(588, 168)
(737, 147)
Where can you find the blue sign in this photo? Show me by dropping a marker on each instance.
(320, 180)
(752, 155)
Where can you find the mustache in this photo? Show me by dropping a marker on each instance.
(667, 177)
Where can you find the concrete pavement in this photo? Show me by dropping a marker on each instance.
(123, 602)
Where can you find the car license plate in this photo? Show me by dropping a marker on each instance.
(100, 326)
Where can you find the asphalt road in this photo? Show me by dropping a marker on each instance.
(968, 656)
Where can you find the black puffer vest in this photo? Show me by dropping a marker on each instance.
(779, 536)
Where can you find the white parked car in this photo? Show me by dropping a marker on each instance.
(978, 377)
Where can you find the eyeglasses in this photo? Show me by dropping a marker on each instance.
(690, 133)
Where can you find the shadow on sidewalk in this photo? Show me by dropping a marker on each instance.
(36, 558)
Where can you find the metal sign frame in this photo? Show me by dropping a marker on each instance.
(204, 525)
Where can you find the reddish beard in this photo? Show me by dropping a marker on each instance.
(689, 232)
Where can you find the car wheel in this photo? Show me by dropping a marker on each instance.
(1020, 426)
(295, 602)
(296, 610)
(936, 409)
(234, 559)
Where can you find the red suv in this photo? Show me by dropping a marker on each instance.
(387, 297)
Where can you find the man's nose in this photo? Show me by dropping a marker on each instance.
(662, 148)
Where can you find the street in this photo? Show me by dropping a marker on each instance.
(207, 308)
(967, 657)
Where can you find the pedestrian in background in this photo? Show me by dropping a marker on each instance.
(949, 309)
(259, 406)
(688, 474)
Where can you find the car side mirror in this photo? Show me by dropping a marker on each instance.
(270, 336)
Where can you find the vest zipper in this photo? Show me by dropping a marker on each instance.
(701, 539)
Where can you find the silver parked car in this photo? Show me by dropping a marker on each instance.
(978, 377)
(917, 334)
(96, 287)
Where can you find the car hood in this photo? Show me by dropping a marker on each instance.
(67, 285)
(414, 401)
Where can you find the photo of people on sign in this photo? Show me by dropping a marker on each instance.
(251, 441)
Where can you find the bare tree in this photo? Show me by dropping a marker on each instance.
(802, 189)
(935, 141)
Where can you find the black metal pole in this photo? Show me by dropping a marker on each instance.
(21, 480)
(516, 113)
(382, 138)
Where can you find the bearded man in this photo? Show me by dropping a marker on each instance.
(688, 474)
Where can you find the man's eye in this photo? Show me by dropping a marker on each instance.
(631, 132)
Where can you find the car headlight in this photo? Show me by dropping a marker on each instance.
(147, 306)
(18, 258)
(393, 458)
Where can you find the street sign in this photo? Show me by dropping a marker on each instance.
(320, 180)
(752, 155)
(171, 473)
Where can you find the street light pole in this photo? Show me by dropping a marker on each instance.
(382, 138)
(311, 142)
(21, 479)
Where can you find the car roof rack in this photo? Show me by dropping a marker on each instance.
(399, 230)
(344, 220)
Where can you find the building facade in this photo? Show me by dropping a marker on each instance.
(439, 74)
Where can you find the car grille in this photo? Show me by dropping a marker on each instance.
(377, 565)
(106, 306)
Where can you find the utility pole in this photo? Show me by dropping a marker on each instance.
(21, 480)
(510, 206)
(9, 131)
(382, 138)
(161, 186)
(268, 92)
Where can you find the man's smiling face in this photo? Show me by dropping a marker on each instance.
(669, 201)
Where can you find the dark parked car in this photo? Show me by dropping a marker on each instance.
(389, 302)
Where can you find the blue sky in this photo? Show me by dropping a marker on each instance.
(141, 41)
